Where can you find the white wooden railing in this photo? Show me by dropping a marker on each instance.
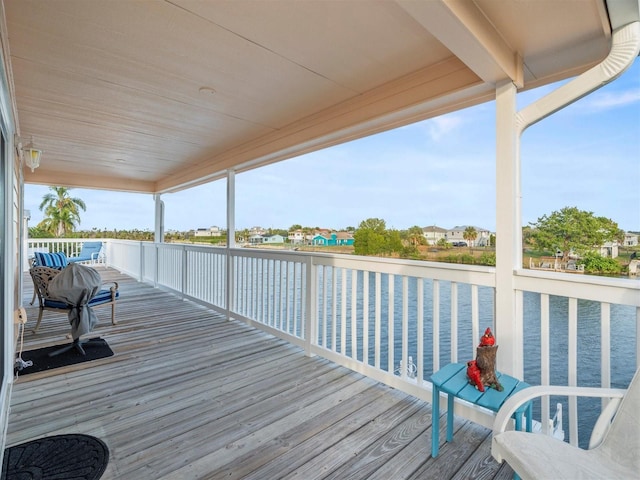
(337, 306)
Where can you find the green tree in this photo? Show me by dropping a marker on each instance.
(416, 236)
(279, 231)
(470, 234)
(369, 238)
(37, 232)
(574, 230)
(62, 212)
(442, 242)
(527, 236)
(595, 263)
(393, 242)
(372, 238)
(243, 235)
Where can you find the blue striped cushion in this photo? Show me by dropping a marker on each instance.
(103, 296)
(51, 259)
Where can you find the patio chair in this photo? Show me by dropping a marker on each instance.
(90, 252)
(43, 275)
(614, 447)
(56, 260)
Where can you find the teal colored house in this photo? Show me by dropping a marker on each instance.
(333, 239)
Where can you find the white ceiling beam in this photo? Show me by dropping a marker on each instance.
(44, 176)
(461, 27)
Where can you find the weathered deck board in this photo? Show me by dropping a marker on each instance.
(190, 395)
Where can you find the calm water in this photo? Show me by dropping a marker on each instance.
(623, 336)
(623, 351)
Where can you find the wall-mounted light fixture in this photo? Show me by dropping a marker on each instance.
(30, 154)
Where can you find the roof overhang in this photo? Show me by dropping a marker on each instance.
(156, 96)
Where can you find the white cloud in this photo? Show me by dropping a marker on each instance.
(440, 127)
(609, 100)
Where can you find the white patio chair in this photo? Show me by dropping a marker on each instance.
(614, 447)
(91, 252)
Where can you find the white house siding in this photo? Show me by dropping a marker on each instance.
(10, 256)
(631, 239)
(434, 234)
(208, 232)
(296, 237)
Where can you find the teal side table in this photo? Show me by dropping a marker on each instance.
(452, 380)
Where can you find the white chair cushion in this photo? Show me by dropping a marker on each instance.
(536, 456)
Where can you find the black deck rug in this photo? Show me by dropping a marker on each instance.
(98, 348)
(68, 457)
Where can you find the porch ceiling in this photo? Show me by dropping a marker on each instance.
(155, 96)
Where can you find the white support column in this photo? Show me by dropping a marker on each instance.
(509, 320)
(310, 313)
(231, 208)
(24, 237)
(159, 219)
(231, 236)
(625, 47)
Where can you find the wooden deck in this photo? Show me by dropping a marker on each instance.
(190, 395)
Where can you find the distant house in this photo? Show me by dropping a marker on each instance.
(434, 234)
(296, 237)
(320, 240)
(256, 239)
(332, 239)
(630, 239)
(257, 231)
(456, 234)
(208, 232)
(272, 238)
(609, 249)
(325, 232)
(344, 238)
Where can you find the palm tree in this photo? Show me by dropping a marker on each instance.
(470, 234)
(62, 212)
(243, 235)
(416, 235)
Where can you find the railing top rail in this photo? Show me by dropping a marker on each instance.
(66, 240)
(190, 247)
(474, 274)
(623, 291)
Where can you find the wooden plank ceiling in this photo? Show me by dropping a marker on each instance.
(155, 96)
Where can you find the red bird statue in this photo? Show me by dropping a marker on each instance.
(473, 372)
(487, 339)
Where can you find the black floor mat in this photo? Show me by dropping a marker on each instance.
(98, 348)
(69, 457)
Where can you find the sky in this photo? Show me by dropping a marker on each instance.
(439, 172)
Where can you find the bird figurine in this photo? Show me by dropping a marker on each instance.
(473, 372)
(487, 340)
